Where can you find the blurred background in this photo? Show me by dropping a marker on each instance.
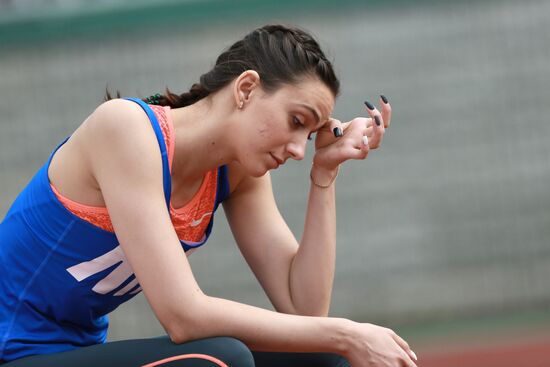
(443, 233)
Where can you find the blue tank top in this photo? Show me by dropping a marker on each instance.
(61, 275)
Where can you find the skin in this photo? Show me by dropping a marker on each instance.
(118, 165)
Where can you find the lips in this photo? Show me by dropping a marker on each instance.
(279, 161)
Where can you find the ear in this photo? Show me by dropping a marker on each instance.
(244, 86)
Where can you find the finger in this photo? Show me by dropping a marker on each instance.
(329, 125)
(369, 131)
(404, 356)
(408, 361)
(335, 126)
(378, 126)
(354, 152)
(345, 125)
(375, 115)
(386, 110)
(403, 344)
(365, 144)
(370, 122)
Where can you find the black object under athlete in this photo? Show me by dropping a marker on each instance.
(161, 351)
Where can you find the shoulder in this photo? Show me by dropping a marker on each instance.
(115, 116)
(119, 132)
(119, 122)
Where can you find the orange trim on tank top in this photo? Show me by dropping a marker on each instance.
(187, 220)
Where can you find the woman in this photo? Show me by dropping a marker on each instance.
(92, 228)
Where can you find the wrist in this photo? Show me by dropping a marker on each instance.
(323, 177)
(343, 336)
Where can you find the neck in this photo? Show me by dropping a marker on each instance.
(202, 137)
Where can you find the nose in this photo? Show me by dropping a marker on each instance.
(297, 150)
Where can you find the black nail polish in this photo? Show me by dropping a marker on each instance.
(384, 99)
(369, 106)
(337, 132)
(377, 120)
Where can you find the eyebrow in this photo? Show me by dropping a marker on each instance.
(312, 110)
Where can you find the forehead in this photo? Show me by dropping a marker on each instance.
(309, 92)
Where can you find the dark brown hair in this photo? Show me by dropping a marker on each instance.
(279, 54)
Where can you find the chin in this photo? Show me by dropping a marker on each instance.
(255, 167)
(257, 170)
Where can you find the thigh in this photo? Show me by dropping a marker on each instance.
(211, 352)
(278, 359)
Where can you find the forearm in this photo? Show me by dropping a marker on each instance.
(264, 330)
(312, 270)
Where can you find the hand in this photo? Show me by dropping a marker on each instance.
(376, 346)
(331, 151)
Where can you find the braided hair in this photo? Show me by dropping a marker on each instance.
(279, 54)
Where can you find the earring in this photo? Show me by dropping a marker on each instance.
(241, 105)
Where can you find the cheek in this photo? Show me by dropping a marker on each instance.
(268, 125)
(268, 129)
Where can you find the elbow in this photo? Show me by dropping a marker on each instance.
(315, 310)
(185, 325)
(310, 300)
(316, 313)
(324, 310)
(178, 335)
(310, 307)
(175, 338)
(178, 329)
(323, 313)
(182, 331)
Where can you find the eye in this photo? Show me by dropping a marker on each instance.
(297, 121)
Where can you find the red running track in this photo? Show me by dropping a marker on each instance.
(518, 354)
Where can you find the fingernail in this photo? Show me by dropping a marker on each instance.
(337, 132)
(384, 99)
(369, 105)
(377, 120)
(366, 140)
(414, 355)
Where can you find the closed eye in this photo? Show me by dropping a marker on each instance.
(297, 121)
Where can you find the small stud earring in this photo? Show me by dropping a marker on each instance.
(241, 105)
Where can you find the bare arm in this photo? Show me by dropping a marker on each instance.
(296, 277)
(312, 273)
(125, 161)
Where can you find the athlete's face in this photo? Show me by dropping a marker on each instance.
(277, 124)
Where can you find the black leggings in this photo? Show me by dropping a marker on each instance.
(211, 352)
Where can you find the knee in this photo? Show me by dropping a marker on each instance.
(234, 352)
(341, 362)
(334, 360)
